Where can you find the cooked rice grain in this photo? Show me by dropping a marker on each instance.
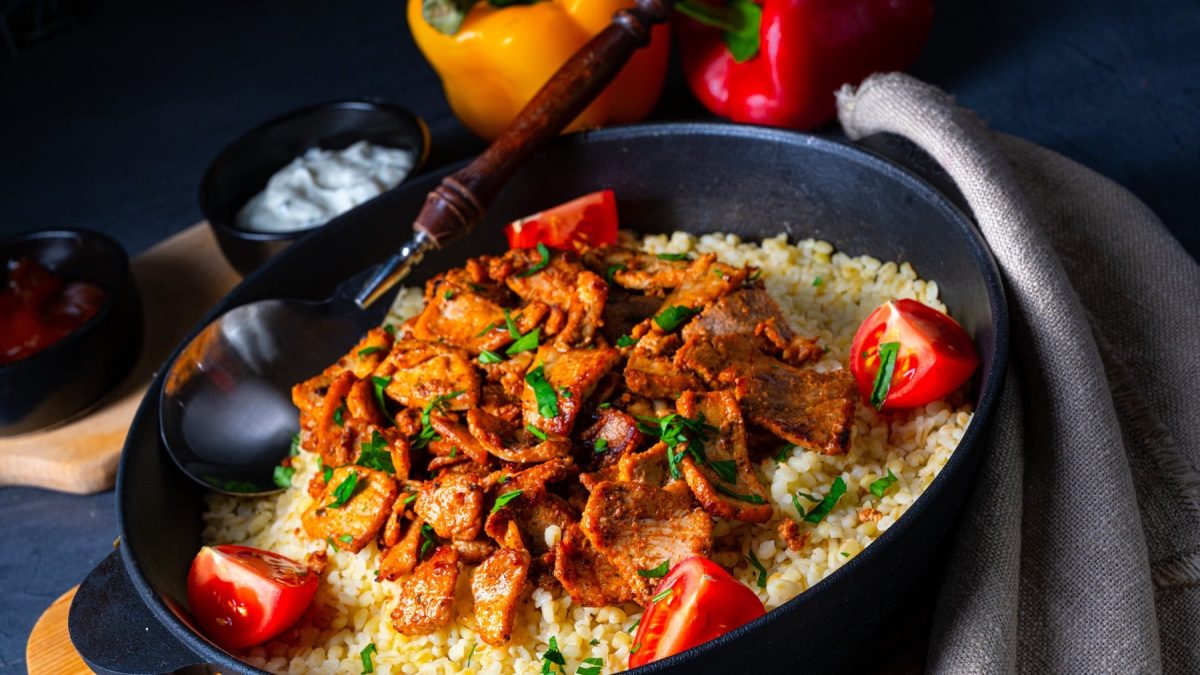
(824, 293)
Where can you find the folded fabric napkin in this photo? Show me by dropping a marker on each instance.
(1079, 550)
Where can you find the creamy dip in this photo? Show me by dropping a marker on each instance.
(321, 184)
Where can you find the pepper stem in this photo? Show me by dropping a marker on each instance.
(721, 17)
(738, 20)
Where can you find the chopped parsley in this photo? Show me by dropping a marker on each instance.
(389, 329)
(750, 498)
(453, 451)
(593, 642)
(626, 341)
(762, 571)
(525, 343)
(430, 538)
(486, 329)
(511, 326)
(663, 594)
(881, 486)
(410, 499)
(505, 498)
(295, 447)
(344, 491)
(427, 432)
(346, 539)
(470, 653)
(541, 263)
(367, 351)
(726, 469)
(488, 357)
(326, 472)
(593, 667)
(547, 400)
(675, 429)
(883, 376)
(601, 445)
(339, 415)
(366, 654)
(604, 406)
(755, 277)
(784, 452)
(231, 485)
(818, 512)
(657, 572)
(283, 476)
(553, 657)
(845, 555)
(448, 295)
(375, 454)
(674, 256)
(329, 541)
(613, 269)
(380, 383)
(818, 281)
(674, 316)
(535, 431)
(633, 626)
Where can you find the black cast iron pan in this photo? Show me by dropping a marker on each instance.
(130, 615)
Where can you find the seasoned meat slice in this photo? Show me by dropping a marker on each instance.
(588, 576)
(638, 526)
(649, 467)
(572, 375)
(811, 409)
(634, 269)
(453, 504)
(612, 436)
(705, 282)
(355, 503)
(400, 559)
(510, 444)
(496, 586)
(370, 351)
(462, 313)
(564, 285)
(459, 437)
(818, 414)
(533, 512)
(420, 371)
(473, 552)
(724, 483)
(624, 310)
(426, 599)
(651, 370)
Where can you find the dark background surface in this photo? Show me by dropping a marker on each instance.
(109, 124)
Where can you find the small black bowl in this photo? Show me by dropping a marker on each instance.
(244, 167)
(65, 378)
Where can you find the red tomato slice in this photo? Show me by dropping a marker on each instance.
(241, 596)
(935, 355)
(703, 602)
(590, 220)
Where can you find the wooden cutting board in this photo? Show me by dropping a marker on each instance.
(179, 280)
(49, 650)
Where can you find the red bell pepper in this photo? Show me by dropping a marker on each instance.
(779, 62)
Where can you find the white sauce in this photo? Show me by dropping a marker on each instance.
(322, 184)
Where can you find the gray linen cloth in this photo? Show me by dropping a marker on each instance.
(1079, 550)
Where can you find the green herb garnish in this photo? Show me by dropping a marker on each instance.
(784, 452)
(525, 343)
(547, 400)
(881, 486)
(726, 469)
(283, 476)
(601, 445)
(818, 512)
(535, 431)
(344, 491)
(612, 269)
(430, 538)
(553, 657)
(346, 539)
(453, 451)
(231, 485)
(448, 295)
(326, 472)
(541, 263)
(329, 541)
(818, 281)
(593, 667)
(427, 432)
(604, 406)
(380, 383)
(593, 642)
(674, 256)
(626, 341)
(633, 626)
(750, 499)
(511, 326)
(657, 572)
(674, 316)
(294, 450)
(366, 654)
(389, 329)
(486, 329)
(410, 499)
(488, 357)
(470, 654)
(663, 595)
(762, 571)
(505, 498)
(883, 376)
(339, 415)
(367, 351)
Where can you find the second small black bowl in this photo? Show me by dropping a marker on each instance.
(65, 378)
(244, 167)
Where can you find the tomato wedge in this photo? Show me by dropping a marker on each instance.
(241, 596)
(590, 220)
(696, 602)
(931, 355)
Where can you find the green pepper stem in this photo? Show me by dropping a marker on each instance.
(711, 15)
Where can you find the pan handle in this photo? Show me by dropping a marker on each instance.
(114, 632)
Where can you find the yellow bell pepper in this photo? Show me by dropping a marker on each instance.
(500, 56)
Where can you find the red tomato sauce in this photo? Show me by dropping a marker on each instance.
(38, 308)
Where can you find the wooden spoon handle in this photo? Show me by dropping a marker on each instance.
(455, 206)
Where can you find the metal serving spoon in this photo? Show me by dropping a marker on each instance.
(225, 412)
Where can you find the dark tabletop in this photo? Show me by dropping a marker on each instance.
(110, 124)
